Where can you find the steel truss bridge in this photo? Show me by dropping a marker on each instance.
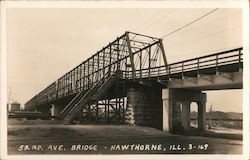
(95, 90)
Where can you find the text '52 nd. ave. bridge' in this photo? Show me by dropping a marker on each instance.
(123, 82)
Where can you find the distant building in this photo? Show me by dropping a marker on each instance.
(15, 106)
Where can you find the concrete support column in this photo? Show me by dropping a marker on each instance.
(186, 115)
(55, 110)
(177, 119)
(167, 110)
(202, 113)
(176, 109)
(133, 112)
(144, 106)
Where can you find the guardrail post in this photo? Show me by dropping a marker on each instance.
(216, 63)
(239, 61)
(198, 68)
(182, 70)
(169, 72)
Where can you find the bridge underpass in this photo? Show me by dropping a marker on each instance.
(130, 82)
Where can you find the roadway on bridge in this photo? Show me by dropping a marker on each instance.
(27, 138)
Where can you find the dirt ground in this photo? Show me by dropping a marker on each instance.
(52, 137)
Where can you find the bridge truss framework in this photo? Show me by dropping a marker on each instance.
(136, 57)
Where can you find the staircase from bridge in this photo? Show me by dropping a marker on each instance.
(88, 96)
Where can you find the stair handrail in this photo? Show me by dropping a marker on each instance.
(107, 81)
(77, 96)
(93, 88)
(96, 85)
(72, 101)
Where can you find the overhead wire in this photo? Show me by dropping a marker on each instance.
(218, 19)
(210, 34)
(190, 23)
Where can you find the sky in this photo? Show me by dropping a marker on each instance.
(45, 43)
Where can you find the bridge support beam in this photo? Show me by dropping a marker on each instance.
(176, 109)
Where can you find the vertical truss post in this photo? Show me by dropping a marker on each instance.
(57, 87)
(84, 77)
(88, 75)
(103, 65)
(118, 55)
(71, 81)
(163, 54)
(80, 78)
(93, 69)
(98, 65)
(74, 81)
(110, 58)
(63, 84)
(67, 83)
(131, 55)
(77, 79)
(149, 62)
(140, 54)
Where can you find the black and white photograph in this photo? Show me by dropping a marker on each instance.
(122, 78)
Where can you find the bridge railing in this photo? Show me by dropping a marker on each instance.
(216, 60)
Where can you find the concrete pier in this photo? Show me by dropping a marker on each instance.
(176, 109)
(167, 103)
(186, 115)
(144, 105)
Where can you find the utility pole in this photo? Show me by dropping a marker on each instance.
(210, 116)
